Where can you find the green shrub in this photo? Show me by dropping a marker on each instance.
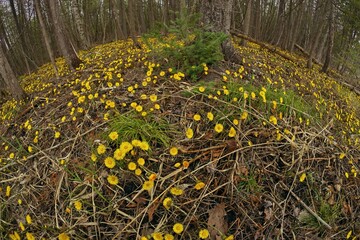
(187, 47)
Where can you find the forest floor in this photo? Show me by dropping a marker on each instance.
(125, 148)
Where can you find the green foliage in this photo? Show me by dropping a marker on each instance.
(188, 47)
(132, 127)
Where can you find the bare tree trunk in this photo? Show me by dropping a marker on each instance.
(247, 20)
(45, 35)
(65, 47)
(79, 24)
(316, 33)
(9, 77)
(132, 23)
(20, 32)
(217, 16)
(327, 62)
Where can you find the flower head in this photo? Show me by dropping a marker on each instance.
(101, 149)
(109, 162)
(144, 145)
(113, 180)
(189, 133)
(63, 236)
(119, 154)
(113, 136)
(173, 151)
(204, 233)
(199, 185)
(178, 228)
(210, 116)
(126, 147)
(219, 128)
(232, 132)
(78, 205)
(197, 117)
(132, 166)
(176, 191)
(167, 203)
(148, 185)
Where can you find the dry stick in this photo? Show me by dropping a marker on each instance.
(306, 207)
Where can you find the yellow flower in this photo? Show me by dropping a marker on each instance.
(8, 191)
(169, 237)
(210, 116)
(126, 147)
(11, 155)
(136, 143)
(14, 236)
(119, 154)
(253, 95)
(109, 162)
(177, 165)
(133, 104)
(273, 120)
(204, 233)
(157, 236)
(153, 97)
(201, 89)
(197, 117)
(219, 128)
(63, 236)
(144, 238)
(152, 177)
(28, 219)
(176, 191)
(173, 151)
(199, 185)
(101, 149)
(138, 172)
(141, 161)
(78, 205)
(113, 136)
(93, 157)
(167, 203)
(30, 149)
(113, 180)
(157, 106)
(21, 226)
(189, 133)
(162, 73)
(178, 228)
(236, 122)
(144, 145)
(139, 108)
(302, 177)
(185, 164)
(232, 132)
(148, 185)
(57, 135)
(30, 236)
(132, 166)
(244, 115)
(231, 237)
(246, 95)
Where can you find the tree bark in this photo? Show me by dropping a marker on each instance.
(247, 20)
(21, 35)
(45, 35)
(217, 17)
(330, 40)
(9, 77)
(79, 25)
(65, 46)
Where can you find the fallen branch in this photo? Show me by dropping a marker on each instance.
(307, 207)
(264, 45)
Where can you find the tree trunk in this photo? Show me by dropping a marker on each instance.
(247, 20)
(316, 33)
(330, 40)
(21, 34)
(79, 24)
(45, 35)
(9, 77)
(65, 46)
(217, 16)
(131, 20)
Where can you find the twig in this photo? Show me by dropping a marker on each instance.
(307, 207)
